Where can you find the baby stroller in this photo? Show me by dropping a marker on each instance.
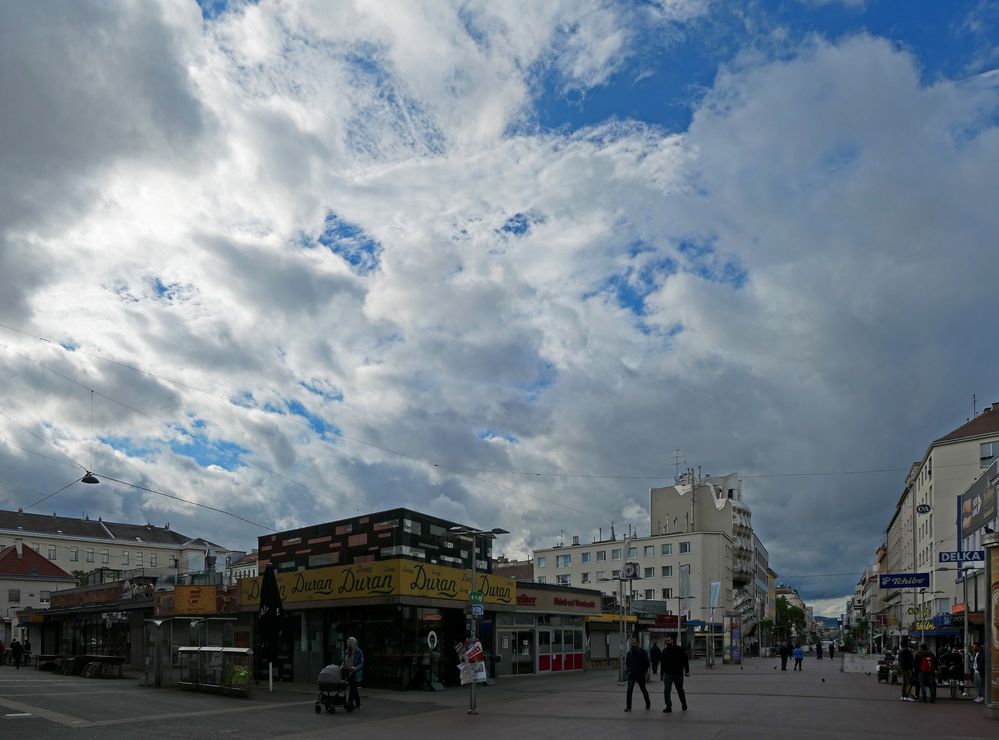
(332, 691)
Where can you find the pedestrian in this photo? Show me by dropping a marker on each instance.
(27, 651)
(654, 655)
(674, 666)
(832, 650)
(978, 667)
(818, 651)
(952, 668)
(926, 667)
(3, 652)
(785, 653)
(638, 665)
(798, 655)
(353, 660)
(16, 651)
(905, 664)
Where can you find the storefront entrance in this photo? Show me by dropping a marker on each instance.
(516, 652)
(560, 648)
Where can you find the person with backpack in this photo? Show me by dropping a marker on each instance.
(926, 667)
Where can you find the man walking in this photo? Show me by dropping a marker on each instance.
(818, 651)
(674, 667)
(655, 654)
(905, 664)
(638, 665)
(978, 667)
(832, 650)
(785, 652)
(16, 650)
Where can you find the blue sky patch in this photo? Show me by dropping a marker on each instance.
(226, 455)
(520, 223)
(704, 262)
(634, 285)
(350, 243)
(127, 446)
(318, 424)
(547, 374)
(325, 390)
(489, 435)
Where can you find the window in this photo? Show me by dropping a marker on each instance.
(616, 554)
(563, 561)
(632, 552)
(601, 574)
(44, 596)
(650, 551)
(408, 525)
(667, 549)
(74, 553)
(563, 580)
(650, 593)
(586, 557)
(35, 546)
(989, 452)
(615, 574)
(648, 573)
(586, 577)
(105, 556)
(138, 559)
(124, 557)
(541, 562)
(684, 547)
(541, 579)
(89, 555)
(174, 563)
(667, 593)
(14, 595)
(666, 571)
(601, 555)
(152, 560)
(52, 552)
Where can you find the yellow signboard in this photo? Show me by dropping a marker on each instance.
(384, 578)
(194, 599)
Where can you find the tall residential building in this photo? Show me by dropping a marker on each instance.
(900, 541)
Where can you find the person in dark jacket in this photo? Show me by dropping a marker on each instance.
(673, 667)
(654, 655)
(17, 650)
(905, 665)
(637, 664)
(978, 668)
(926, 667)
(785, 653)
(818, 651)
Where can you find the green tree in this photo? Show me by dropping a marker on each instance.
(790, 619)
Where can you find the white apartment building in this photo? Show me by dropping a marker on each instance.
(27, 581)
(949, 467)
(900, 541)
(240, 568)
(670, 566)
(88, 544)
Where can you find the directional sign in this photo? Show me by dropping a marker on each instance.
(904, 580)
(475, 597)
(965, 556)
(477, 610)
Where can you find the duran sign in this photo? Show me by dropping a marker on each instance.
(904, 580)
(382, 578)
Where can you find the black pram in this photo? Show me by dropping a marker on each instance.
(332, 690)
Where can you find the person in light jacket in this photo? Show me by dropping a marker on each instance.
(353, 667)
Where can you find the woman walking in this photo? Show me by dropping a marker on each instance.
(353, 666)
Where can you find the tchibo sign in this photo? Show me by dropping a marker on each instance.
(904, 580)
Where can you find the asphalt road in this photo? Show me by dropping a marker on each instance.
(750, 701)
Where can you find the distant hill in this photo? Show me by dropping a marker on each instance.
(828, 622)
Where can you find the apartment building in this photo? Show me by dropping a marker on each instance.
(27, 581)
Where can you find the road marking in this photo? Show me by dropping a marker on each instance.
(19, 714)
(202, 713)
(57, 717)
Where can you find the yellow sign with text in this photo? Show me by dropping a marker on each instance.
(384, 578)
(194, 599)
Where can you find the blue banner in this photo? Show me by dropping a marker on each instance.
(904, 580)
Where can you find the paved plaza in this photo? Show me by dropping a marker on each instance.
(751, 701)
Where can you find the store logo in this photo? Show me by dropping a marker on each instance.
(441, 586)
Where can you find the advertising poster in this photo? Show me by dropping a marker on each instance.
(978, 503)
(737, 640)
(992, 628)
(726, 639)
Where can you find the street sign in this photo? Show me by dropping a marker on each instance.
(965, 556)
(924, 509)
(904, 580)
(475, 597)
(477, 610)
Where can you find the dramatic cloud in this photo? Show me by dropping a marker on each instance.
(317, 259)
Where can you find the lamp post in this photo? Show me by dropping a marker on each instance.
(679, 618)
(488, 534)
(620, 610)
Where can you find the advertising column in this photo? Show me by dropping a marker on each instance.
(991, 542)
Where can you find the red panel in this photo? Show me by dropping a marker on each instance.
(544, 663)
(577, 662)
(556, 662)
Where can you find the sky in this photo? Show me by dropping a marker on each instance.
(494, 261)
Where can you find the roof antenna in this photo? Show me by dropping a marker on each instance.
(974, 406)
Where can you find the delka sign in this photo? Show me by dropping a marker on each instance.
(965, 556)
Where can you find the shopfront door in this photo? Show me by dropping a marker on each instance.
(516, 651)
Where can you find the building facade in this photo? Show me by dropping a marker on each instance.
(27, 582)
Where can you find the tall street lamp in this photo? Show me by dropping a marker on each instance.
(679, 617)
(488, 534)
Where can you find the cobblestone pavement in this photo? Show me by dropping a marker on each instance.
(755, 700)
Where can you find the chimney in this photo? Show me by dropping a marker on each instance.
(575, 540)
(19, 546)
(167, 527)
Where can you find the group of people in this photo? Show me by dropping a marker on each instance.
(19, 652)
(919, 671)
(670, 664)
(786, 651)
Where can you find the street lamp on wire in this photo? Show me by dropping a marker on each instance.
(488, 534)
